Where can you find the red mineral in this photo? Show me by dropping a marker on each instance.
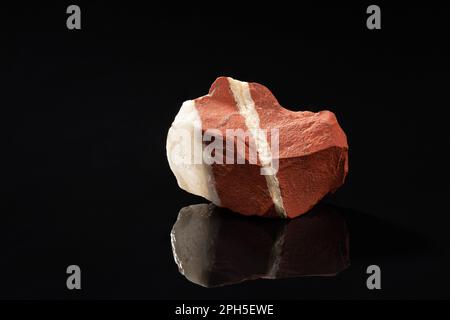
(239, 148)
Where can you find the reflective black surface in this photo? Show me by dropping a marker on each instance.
(213, 246)
(85, 115)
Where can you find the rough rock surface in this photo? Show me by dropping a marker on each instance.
(312, 155)
(212, 247)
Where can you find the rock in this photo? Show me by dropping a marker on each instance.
(291, 159)
(212, 246)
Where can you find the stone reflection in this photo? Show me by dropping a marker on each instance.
(213, 246)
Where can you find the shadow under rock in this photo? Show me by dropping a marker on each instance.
(373, 237)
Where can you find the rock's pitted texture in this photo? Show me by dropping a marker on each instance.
(312, 157)
(212, 246)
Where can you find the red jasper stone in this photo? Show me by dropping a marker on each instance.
(312, 152)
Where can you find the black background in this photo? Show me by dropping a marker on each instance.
(85, 115)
